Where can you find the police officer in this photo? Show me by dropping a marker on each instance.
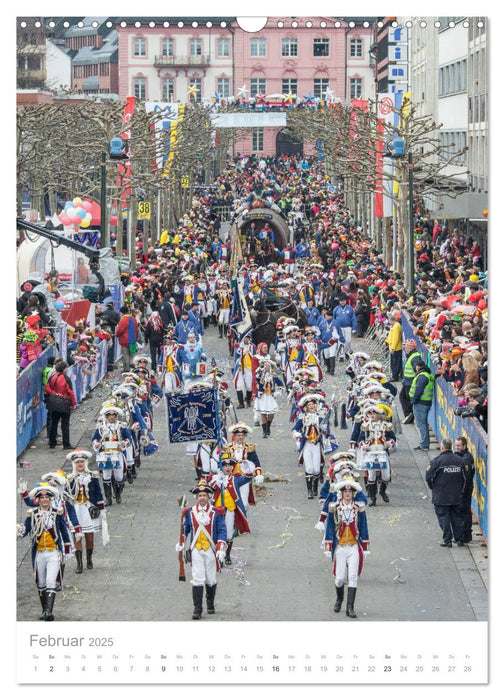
(413, 357)
(421, 394)
(446, 477)
(461, 449)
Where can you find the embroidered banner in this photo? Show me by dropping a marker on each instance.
(192, 417)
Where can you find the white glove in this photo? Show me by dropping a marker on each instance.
(78, 536)
(320, 526)
(22, 486)
(366, 554)
(258, 479)
(20, 530)
(296, 434)
(221, 555)
(328, 554)
(247, 467)
(277, 393)
(179, 547)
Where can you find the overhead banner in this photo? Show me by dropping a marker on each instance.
(248, 120)
(193, 417)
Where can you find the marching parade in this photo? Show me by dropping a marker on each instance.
(202, 356)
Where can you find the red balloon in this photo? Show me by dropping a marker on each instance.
(86, 205)
(113, 220)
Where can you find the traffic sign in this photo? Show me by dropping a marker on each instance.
(144, 210)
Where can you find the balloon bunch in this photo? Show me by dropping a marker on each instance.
(76, 212)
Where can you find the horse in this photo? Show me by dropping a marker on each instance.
(264, 321)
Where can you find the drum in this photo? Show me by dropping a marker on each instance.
(375, 460)
(201, 369)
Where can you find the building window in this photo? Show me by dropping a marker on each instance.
(355, 88)
(257, 85)
(167, 47)
(223, 48)
(258, 47)
(356, 48)
(452, 142)
(289, 85)
(139, 48)
(223, 86)
(195, 47)
(104, 69)
(289, 47)
(257, 139)
(320, 86)
(168, 89)
(140, 88)
(321, 47)
(197, 84)
(453, 78)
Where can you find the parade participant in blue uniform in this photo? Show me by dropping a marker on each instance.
(333, 340)
(195, 317)
(224, 299)
(308, 432)
(244, 368)
(227, 495)
(293, 353)
(193, 357)
(357, 364)
(84, 488)
(183, 328)
(170, 364)
(247, 459)
(312, 313)
(50, 544)
(62, 502)
(339, 464)
(206, 529)
(375, 439)
(347, 542)
(346, 320)
(110, 440)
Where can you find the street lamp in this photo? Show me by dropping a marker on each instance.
(115, 152)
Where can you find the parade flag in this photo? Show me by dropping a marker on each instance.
(240, 320)
(193, 417)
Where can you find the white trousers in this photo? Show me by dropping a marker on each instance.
(204, 567)
(312, 458)
(118, 469)
(347, 557)
(229, 519)
(244, 380)
(47, 563)
(347, 334)
(373, 473)
(170, 383)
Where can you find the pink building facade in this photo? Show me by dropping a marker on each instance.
(303, 58)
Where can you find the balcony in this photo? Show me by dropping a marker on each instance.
(182, 60)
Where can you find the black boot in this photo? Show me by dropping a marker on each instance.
(265, 430)
(43, 603)
(309, 486)
(48, 613)
(133, 471)
(129, 475)
(227, 560)
(89, 558)
(249, 398)
(332, 365)
(197, 596)
(199, 474)
(315, 486)
(118, 487)
(210, 598)
(268, 427)
(340, 592)
(383, 491)
(371, 491)
(350, 602)
(240, 399)
(78, 556)
(107, 487)
(220, 330)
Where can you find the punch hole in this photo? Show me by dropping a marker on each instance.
(251, 24)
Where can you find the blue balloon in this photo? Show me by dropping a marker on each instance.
(58, 304)
(81, 212)
(68, 204)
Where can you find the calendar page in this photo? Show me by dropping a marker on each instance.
(252, 349)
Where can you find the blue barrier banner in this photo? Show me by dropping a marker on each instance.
(31, 413)
(446, 424)
(193, 417)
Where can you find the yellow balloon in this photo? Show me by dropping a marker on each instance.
(84, 223)
(76, 200)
